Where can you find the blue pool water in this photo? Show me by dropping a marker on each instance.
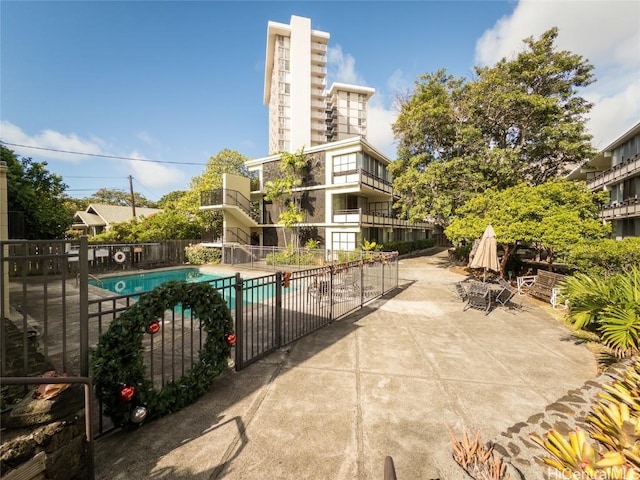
(144, 282)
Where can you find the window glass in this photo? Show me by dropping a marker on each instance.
(345, 241)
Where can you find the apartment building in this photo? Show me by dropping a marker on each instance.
(617, 169)
(346, 197)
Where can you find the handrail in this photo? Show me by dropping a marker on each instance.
(88, 411)
(93, 277)
(227, 196)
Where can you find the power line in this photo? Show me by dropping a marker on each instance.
(102, 155)
(74, 176)
(145, 187)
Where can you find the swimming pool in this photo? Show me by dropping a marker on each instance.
(144, 282)
(138, 283)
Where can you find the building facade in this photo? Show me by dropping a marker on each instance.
(346, 197)
(616, 169)
(346, 194)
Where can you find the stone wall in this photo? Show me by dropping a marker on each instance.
(54, 428)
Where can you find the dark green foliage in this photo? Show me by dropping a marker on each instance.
(604, 257)
(39, 194)
(291, 256)
(408, 247)
(118, 358)
(520, 120)
(200, 255)
(608, 305)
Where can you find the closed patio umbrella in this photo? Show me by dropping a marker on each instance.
(486, 256)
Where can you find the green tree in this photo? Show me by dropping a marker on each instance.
(171, 199)
(120, 197)
(520, 120)
(281, 191)
(553, 215)
(38, 194)
(225, 161)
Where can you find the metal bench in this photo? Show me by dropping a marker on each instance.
(544, 285)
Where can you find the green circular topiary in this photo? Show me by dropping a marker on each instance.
(118, 359)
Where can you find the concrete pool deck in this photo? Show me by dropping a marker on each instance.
(387, 380)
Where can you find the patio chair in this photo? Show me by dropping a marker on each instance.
(478, 297)
(461, 291)
(505, 295)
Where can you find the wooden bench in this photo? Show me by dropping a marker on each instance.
(545, 285)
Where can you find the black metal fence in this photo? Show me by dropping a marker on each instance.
(52, 321)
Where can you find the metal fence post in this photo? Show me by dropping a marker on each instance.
(84, 306)
(361, 282)
(279, 316)
(331, 272)
(382, 264)
(239, 327)
(397, 272)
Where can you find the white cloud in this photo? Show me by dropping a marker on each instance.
(606, 33)
(50, 139)
(154, 175)
(342, 67)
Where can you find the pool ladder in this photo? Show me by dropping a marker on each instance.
(92, 277)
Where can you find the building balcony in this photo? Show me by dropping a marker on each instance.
(374, 219)
(319, 139)
(320, 60)
(318, 47)
(317, 92)
(319, 104)
(617, 173)
(230, 201)
(619, 210)
(363, 177)
(317, 70)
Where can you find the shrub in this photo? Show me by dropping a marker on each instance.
(608, 305)
(290, 256)
(613, 424)
(604, 257)
(408, 247)
(200, 255)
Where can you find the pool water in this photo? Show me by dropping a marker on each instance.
(144, 282)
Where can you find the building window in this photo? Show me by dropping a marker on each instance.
(343, 241)
(344, 163)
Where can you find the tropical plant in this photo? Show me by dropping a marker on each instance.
(609, 306)
(613, 449)
(312, 244)
(477, 459)
(368, 246)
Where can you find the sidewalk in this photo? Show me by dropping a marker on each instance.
(387, 380)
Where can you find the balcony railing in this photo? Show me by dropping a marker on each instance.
(619, 171)
(225, 196)
(363, 177)
(619, 210)
(373, 218)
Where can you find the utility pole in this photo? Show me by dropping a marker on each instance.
(133, 198)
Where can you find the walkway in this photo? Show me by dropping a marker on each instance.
(388, 380)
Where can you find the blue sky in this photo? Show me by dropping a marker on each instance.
(180, 81)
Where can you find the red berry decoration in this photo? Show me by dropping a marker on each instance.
(153, 327)
(230, 338)
(126, 393)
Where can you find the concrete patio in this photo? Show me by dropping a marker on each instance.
(388, 380)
